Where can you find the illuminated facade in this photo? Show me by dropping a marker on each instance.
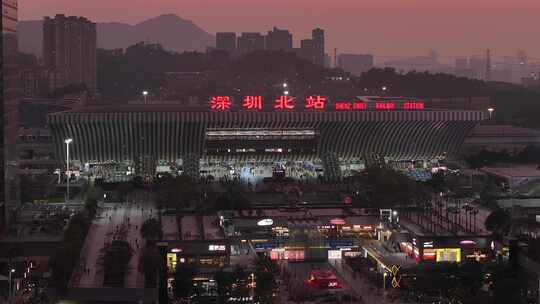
(251, 129)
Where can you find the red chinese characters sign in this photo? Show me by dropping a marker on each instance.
(315, 102)
(220, 103)
(284, 103)
(253, 103)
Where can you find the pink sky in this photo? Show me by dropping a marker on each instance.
(382, 27)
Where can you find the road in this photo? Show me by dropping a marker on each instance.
(298, 273)
(111, 218)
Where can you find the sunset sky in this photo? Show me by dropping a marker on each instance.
(382, 27)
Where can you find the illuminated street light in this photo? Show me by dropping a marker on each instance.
(145, 93)
(67, 141)
(384, 88)
(490, 111)
(286, 93)
(285, 84)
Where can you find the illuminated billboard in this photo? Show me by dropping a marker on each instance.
(448, 255)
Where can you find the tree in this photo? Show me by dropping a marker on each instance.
(183, 281)
(387, 188)
(115, 261)
(176, 192)
(151, 230)
(498, 222)
(265, 285)
(148, 264)
(123, 190)
(224, 281)
(91, 206)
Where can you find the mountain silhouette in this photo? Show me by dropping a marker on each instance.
(171, 31)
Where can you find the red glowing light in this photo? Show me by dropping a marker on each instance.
(337, 221)
(284, 103)
(360, 106)
(315, 102)
(220, 103)
(343, 105)
(253, 103)
(346, 106)
(385, 105)
(413, 105)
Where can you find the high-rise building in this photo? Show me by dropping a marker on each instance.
(306, 49)
(249, 42)
(279, 40)
(318, 46)
(9, 183)
(69, 43)
(226, 42)
(355, 64)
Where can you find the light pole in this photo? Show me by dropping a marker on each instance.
(67, 141)
(145, 93)
(490, 111)
(11, 271)
(384, 280)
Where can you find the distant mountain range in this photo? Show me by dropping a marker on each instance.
(173, 32)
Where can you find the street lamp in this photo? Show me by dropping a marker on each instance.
(145, 93)
(384, 280)
(286, 93)
(490, 111)
(285, 85)
(11, 271)
(67, 141)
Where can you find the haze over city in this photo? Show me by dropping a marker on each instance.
(270, 152)
(384, 28)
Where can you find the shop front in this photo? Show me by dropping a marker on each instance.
(453, 249)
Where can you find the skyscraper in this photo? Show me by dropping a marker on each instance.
(249, 42)
(9, 182)
(69, 44)
(306, 49)
(279, 40)
(226, 42)
(318, 46)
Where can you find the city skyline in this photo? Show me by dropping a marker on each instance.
(453, 29)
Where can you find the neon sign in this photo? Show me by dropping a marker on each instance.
(265, 222)
(253, 103)
(337, 221)
(220, 103)
(224, 103)
(315, 102)
(284, 103)
(385, 105)
(347, 106)
(413, 105)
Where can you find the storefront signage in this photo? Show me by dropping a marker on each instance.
(224, 103)
(217, 247)
(176, 250)
(265, 222)
(448, 255)
(337, 221)
(428, 244)
(334, 254)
